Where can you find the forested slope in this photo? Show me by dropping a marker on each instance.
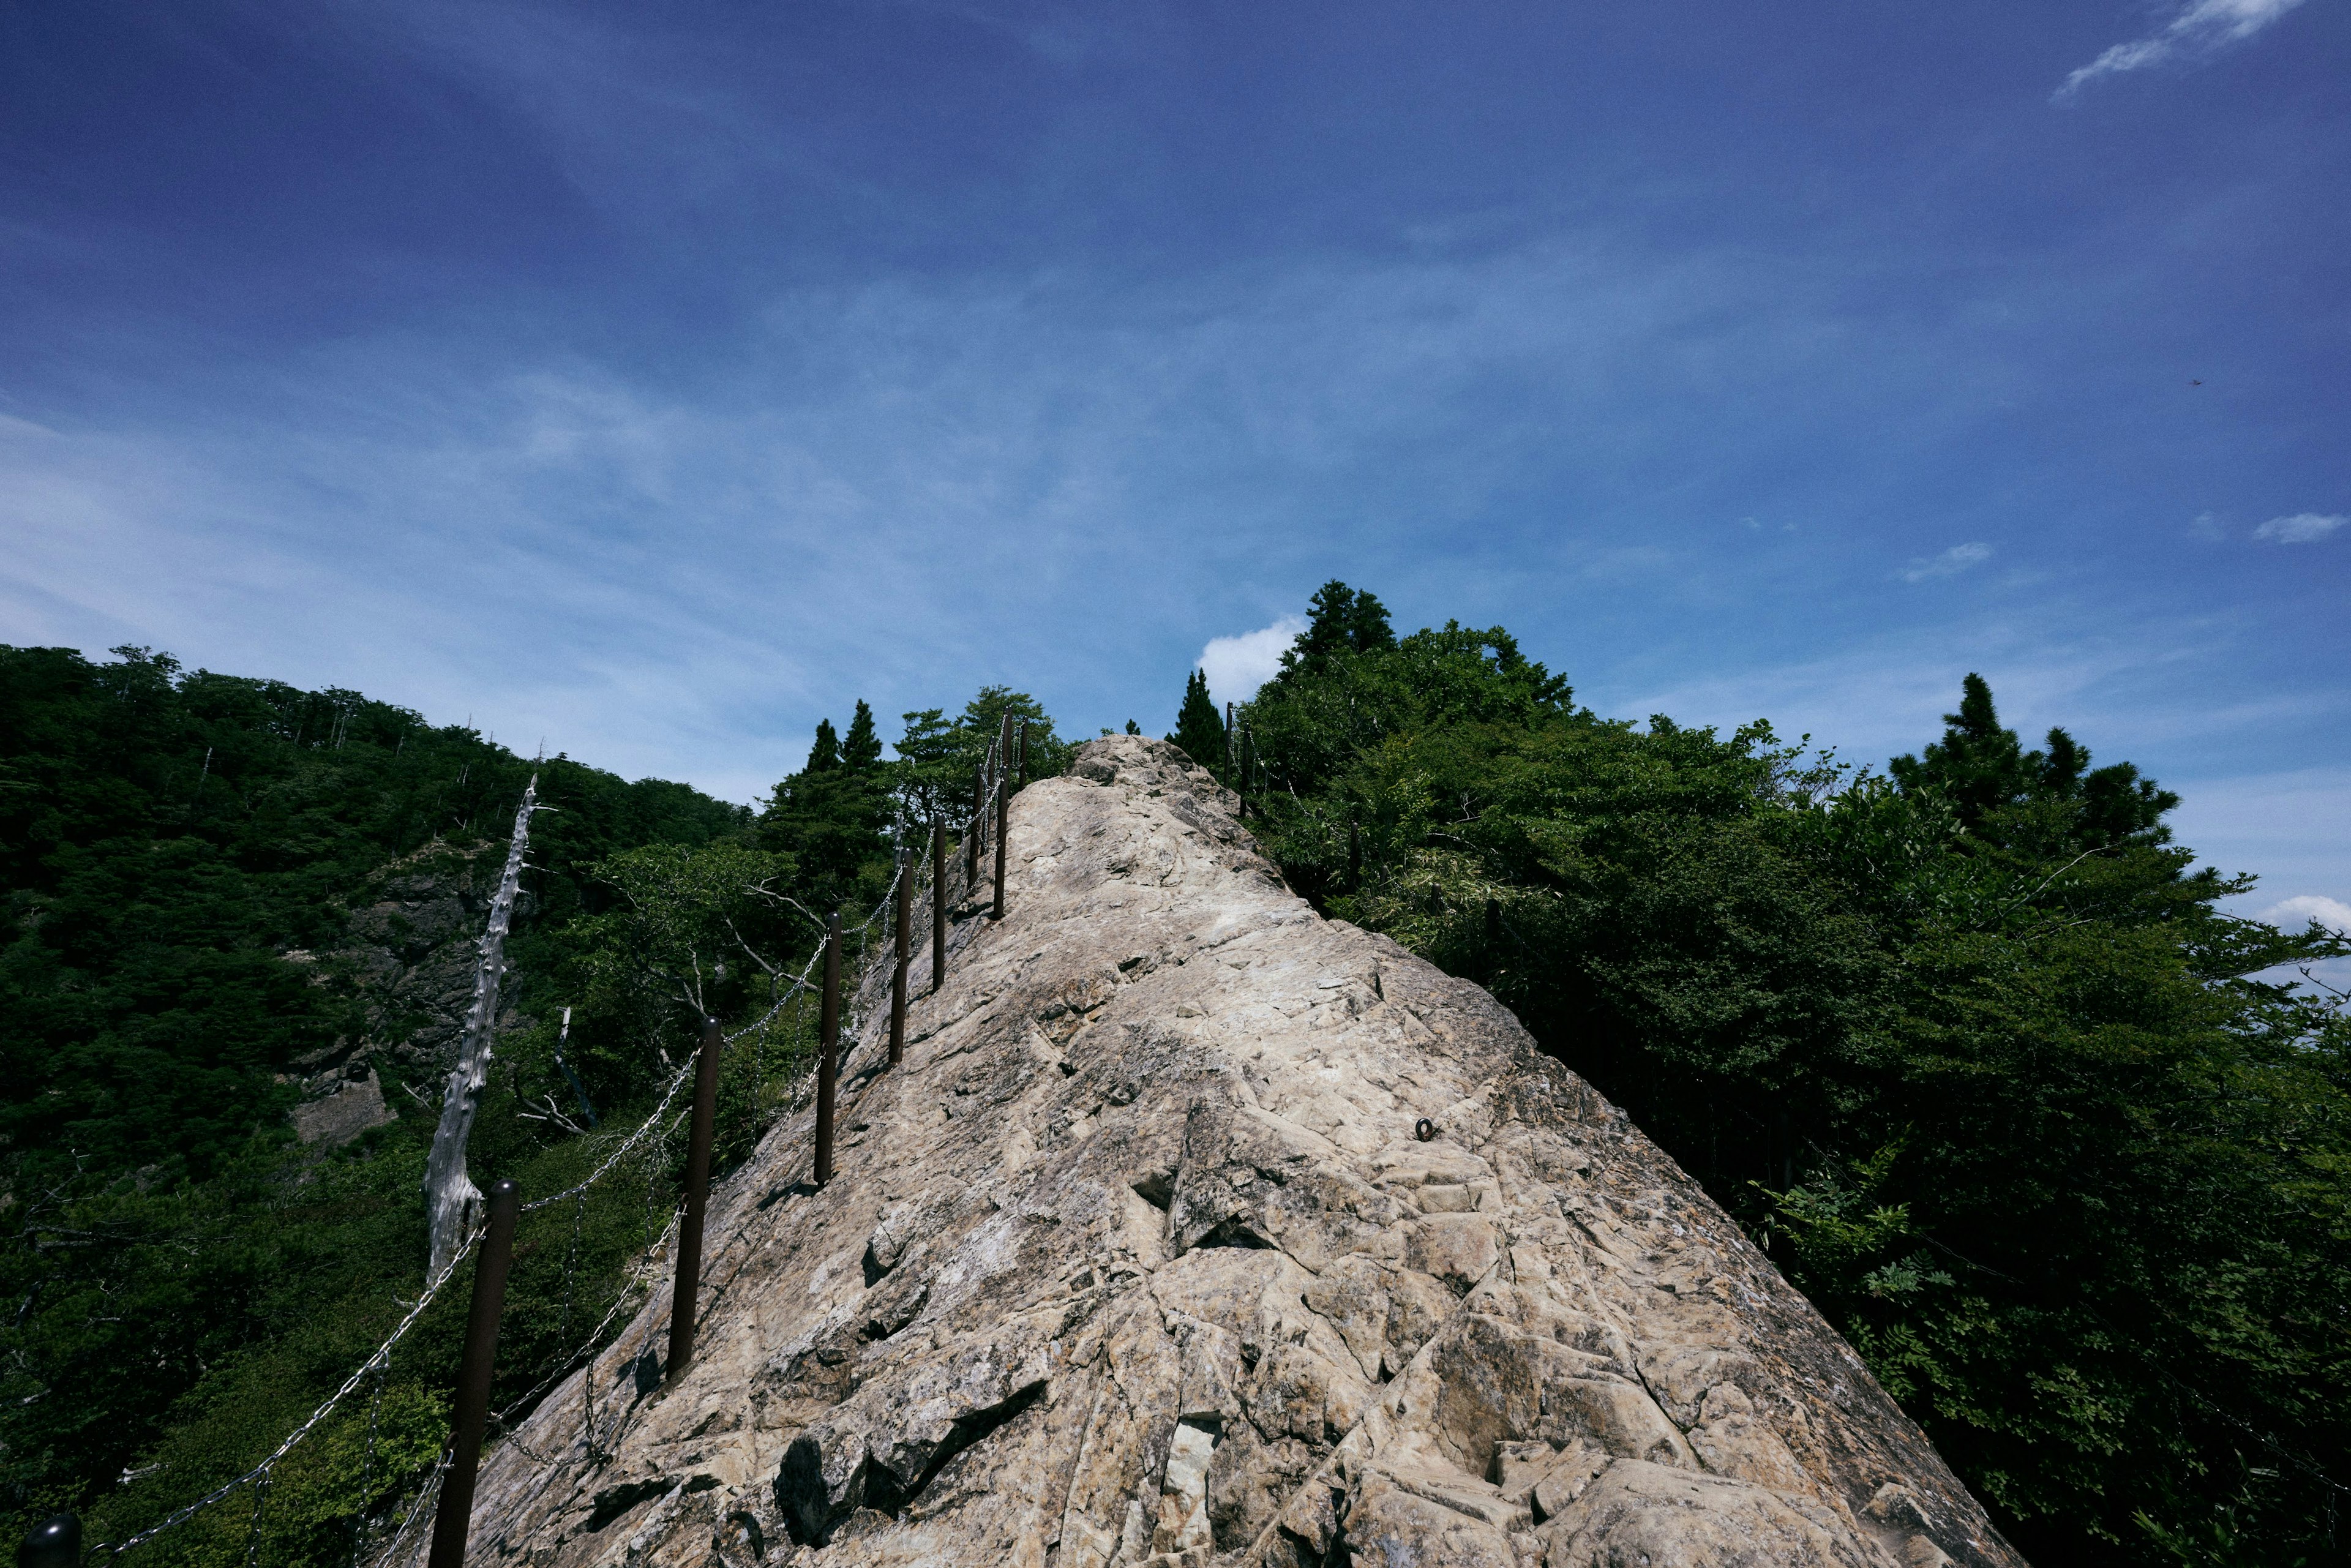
(1969, 1046)
(218, 892)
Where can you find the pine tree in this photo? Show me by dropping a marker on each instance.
(1199, 728)
(1367, 624)
(1978, 766)
(1339, 620)
(2044, 801)
(861, 748)
(825, 755)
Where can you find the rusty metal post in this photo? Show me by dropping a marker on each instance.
(687, 1289)
(828, 1061)
(938, 906)
(1020, 756)
(1229, 741)
(453, 1517)
(1003, 839)
(898, 974)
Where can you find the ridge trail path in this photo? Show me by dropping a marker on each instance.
(1136, 1260)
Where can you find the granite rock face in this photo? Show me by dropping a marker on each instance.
(411, 950)
(1137, 1260)
(409, 947)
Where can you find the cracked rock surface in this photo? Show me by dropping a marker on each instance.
(1137, 1262)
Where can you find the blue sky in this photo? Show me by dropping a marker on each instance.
(657, 381)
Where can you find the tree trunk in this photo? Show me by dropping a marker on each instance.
(450, 1195)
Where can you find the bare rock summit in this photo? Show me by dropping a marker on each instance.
(1138, 1262)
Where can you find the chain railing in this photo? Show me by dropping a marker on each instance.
(490, 1241)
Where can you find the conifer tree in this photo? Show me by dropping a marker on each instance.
(825, 755)
(1199, 728)
(1339, 620)
(861, 748)
(2042, 801)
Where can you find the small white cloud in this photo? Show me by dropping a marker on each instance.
(2201, 29)
(1957, 558)
(2206, 527)
(2297, 912)
(1237, 666)
(2302, 529)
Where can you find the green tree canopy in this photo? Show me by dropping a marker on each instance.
(182, 854)
(1974, 1049)
(1339, 620)
(2033, 801)
(1199, 727)
(937, 756)
(824, 755)
(861, 748)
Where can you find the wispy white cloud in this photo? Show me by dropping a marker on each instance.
(1237, 666)
(2292, 914)
(870, 496)
(1951, 563)
(2302, 529)
(2201, 29)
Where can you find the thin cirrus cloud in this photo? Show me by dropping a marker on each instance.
(2201, 30)
(2302, 529)
(1951, 563)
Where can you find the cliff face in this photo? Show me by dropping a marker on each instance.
(1138, 1259)
(407, 960)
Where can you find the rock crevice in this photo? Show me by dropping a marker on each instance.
(1137, 1262)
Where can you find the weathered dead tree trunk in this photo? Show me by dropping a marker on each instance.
(450, 1197)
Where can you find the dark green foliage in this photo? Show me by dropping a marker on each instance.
(1339, 620)
(188, 1284)
(316, 1257)
(863, 748)
(1199, 727)
(162, 907)
(825, 755)
(177, 851)
(937, 756)
(831, 819)
(1973, 1050)
(2033, 801)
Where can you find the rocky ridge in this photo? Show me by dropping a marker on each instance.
(1137, 1260)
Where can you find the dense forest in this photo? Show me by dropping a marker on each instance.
(1968, 1044)
(204, 876)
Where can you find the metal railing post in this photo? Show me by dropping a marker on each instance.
(455, 1516)
(971, 839)
(904, 950)
(938, 905)
(828, 1061)
(686, 1289)
(1003, 837)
